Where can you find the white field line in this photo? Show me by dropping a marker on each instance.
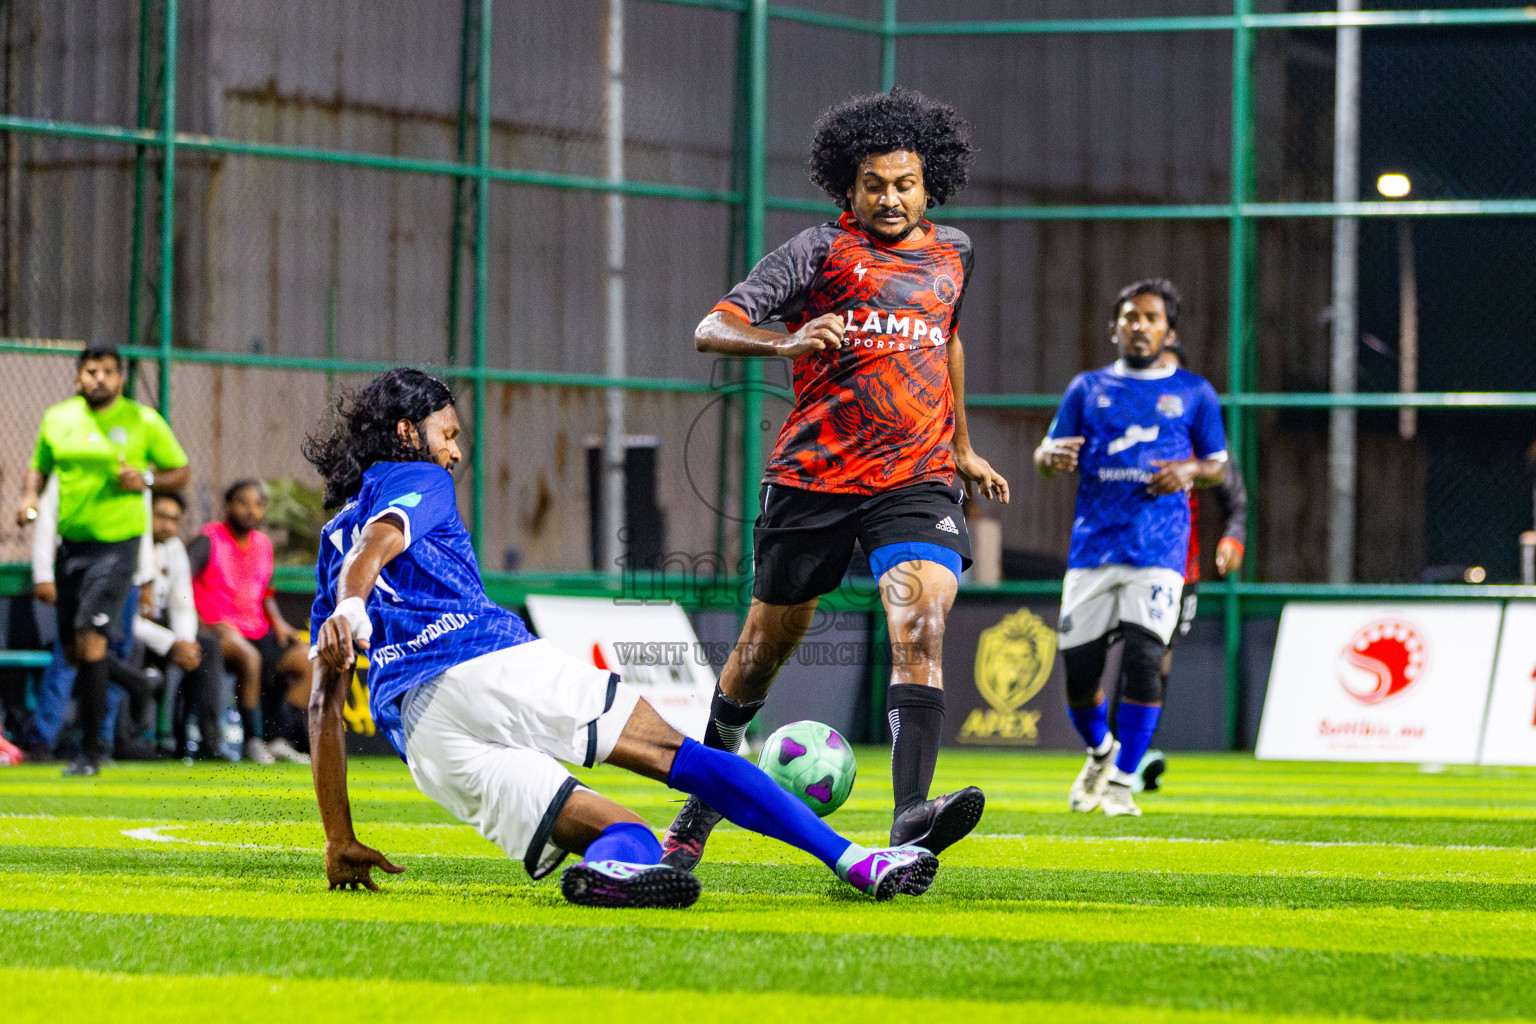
(211, 821)
(153, 835)
(1270, 842)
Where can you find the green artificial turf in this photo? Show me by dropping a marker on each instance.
(1249, 891)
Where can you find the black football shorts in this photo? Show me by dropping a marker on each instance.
(803, 540)
(93, 579)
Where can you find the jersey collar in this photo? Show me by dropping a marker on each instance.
(850, 223)
(1120, 369)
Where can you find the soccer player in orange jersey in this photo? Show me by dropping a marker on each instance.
(875, 450)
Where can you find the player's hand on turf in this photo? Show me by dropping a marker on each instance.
(349, 864)
(338, 649)
(823, 334)
(47, 593)
(128, 478)
(977, 471)
(1058, 454)
(1229, 556)
(1172, 476)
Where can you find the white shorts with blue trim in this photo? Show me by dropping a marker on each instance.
(485, 739)
(1095, 601)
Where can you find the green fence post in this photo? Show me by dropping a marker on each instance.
(482, 227)
(136, 255)
(469, 56)
(754, 208)
(1239, 317)
(168, 207)
(888, 47)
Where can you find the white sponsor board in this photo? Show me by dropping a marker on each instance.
(1377, 682)
(1510, 735)
(652, 646)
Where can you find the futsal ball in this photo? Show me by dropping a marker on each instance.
(812, 761)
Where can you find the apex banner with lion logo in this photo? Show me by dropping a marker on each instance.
(1375, 682)
(1003, 681)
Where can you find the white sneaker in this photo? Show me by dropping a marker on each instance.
(281, 749)
(256, 751)
(1089, 787)
(1117, 801)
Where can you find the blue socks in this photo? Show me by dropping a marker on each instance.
(1093, 724)
(626, 841)
(738, 789)
(1136, 724)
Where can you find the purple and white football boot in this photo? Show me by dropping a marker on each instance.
(888, 871)
(613, 883)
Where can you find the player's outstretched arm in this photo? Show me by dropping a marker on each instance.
(348, 863)
(973, 469)
(729, 335)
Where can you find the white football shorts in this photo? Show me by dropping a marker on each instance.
(1095, 601)
(485, 739)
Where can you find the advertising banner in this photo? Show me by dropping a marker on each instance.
(1378, 682)
(1510, 735)
(652, 645)
(1003, 682)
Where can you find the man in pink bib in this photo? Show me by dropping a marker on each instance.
(232, 588)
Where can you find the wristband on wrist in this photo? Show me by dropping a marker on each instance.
(356, 613)
(148, 477)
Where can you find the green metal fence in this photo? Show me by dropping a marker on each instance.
(1242, 212)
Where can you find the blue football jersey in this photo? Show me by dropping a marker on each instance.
(1130, 419)
(429, 610)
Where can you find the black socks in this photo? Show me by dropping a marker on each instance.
(916, 715)
(91, 703)
(250, 722)
(728, 721)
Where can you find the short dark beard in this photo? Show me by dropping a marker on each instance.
(1142, 362)
(94, 404)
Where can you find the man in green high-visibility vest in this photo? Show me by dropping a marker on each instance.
(106, 450)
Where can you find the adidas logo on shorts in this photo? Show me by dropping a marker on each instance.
(947, 524)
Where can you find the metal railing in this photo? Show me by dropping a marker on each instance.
(752, 202)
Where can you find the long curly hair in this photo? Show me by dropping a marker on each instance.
(362, 429)
(901, 119)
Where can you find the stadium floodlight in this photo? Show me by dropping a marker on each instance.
(1394, 185)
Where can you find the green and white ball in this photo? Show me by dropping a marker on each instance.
(812, 761)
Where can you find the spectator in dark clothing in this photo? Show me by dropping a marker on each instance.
(191, 658)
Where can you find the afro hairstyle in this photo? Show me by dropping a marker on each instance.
(901, 119)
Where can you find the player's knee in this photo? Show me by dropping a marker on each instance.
(918, 627)
(1085, 666)
(1143, 666)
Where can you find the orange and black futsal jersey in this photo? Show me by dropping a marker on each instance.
(877, 413)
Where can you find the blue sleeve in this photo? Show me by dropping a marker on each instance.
(1206, 432)
(419, 494)
(1069, 417)
(325, 596)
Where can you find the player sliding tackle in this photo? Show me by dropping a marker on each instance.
(483, 712)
